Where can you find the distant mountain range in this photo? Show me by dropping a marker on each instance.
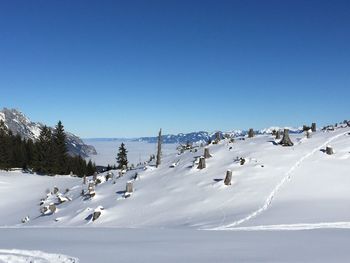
(18, 123)
(203, 136)
(192, 137)
(197, 137)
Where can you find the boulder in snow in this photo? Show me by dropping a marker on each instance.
(48, 209)
(97, 213)
(91, 189)
(55, 190)
(62, 199)
(109, 175)
(25, 219)
(329, 150)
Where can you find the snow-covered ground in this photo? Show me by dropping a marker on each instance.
(109, 245)
(277, 190)
(20, 194)
(31, 256)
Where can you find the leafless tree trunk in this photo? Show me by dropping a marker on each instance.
(251, 133)
(286, 141)
(84, 179)
(313, 127)
(278, 135)
(217, 137)
(228, 177)
(129, 187)
(201, 164)
(159, 151)
(206, 153)
(91, 189)
(308, 134)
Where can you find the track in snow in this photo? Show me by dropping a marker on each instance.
(271, 196)
(33, 256)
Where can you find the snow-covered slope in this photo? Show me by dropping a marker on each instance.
(20, 124)
(277, 186)
(20, 193)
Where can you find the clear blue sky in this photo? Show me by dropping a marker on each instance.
(127, 68)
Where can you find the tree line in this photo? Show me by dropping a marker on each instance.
(47, 155)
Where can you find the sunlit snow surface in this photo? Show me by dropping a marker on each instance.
(285, 204)
(33, 256)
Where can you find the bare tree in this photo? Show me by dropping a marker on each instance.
(91, 189)
(228, 177)
(286, 141)
(278, 135)
(206, 153)
(251, 133)
(313, 127)
(308, 134)
(159, 151)
(217, 137)
(129, 187)
(201, 164)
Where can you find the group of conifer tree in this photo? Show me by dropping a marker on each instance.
(47, 155)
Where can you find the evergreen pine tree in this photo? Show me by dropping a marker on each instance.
(90, 169)
(48, 155)
(18, 154)
(29, 145)
(60, 150)
(81, 166)
(122, 158)
(43, 152)
(4, 146)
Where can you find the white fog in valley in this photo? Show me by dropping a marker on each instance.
(107, 150)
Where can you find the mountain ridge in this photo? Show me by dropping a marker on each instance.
(198, 137)
(19, 123)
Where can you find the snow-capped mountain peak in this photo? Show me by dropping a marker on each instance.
(19, 123)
